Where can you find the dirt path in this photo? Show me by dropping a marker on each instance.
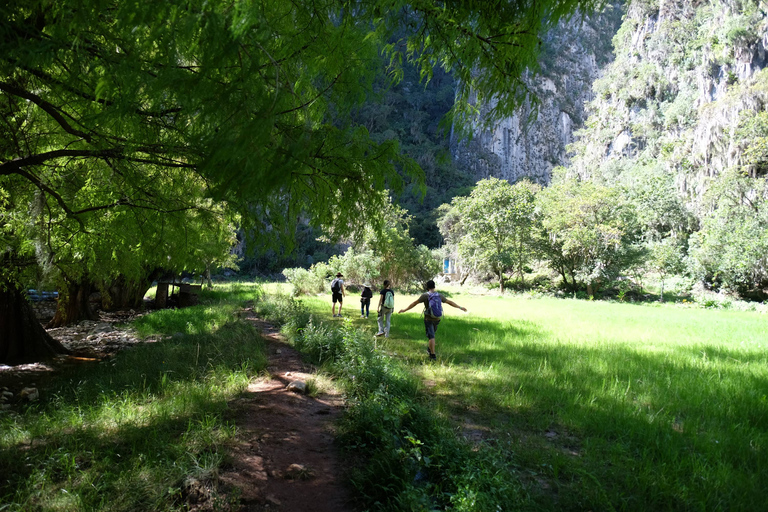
(286, 458)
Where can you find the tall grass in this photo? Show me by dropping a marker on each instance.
(604, 405)
(126, 434)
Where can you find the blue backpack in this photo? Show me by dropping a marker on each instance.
(435, 306)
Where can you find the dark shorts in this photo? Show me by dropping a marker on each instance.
(337, 297)
(431, 328)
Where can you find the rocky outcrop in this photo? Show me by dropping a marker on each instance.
(686, 77)
(534, 140)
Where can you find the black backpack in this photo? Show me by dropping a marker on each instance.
(336, 285)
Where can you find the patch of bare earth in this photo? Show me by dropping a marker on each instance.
(285, 458)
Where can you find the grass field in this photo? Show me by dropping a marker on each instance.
(127, 434)
(588, 405)
(601, 406)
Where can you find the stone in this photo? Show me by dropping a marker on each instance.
(30, 394)
(298, 472)
(297, 386)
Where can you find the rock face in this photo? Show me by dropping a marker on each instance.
(534, 140)
(686, 77)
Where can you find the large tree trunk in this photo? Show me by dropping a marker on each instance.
(125, 294)
(74, 306)
(22, 337)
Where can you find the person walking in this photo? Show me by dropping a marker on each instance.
(433, 313)
(337, 293)
(385, 309)
(365, 300)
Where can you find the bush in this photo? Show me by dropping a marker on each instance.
(304, 282)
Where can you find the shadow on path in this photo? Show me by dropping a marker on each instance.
(285, 457)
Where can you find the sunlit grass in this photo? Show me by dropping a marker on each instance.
(633, 407)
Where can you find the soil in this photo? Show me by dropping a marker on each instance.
(284, 457)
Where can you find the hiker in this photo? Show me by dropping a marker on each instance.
(337, 293)
(385, 309)
(365, 300)
(433, 313)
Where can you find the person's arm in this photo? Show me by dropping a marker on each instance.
(381, 301)
(417, 301)
(451, 303)
(343, 291)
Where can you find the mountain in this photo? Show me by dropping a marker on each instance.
(534, 141)
(682, 94)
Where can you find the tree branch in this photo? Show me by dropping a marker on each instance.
(45, 106)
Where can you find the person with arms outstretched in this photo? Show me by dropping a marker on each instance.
(433, 313)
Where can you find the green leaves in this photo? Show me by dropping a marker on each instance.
(589, 231)
(492, 228)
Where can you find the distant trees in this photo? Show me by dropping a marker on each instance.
(731, 248)
(378, 252)
(589, 232)
(586, 232)
(495, 223)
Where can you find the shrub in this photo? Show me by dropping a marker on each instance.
(304, 281)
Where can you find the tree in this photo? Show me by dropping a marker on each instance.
(665, 258)
(588, 232)
(496, 226)
(401, 261)
(730, 251)
(254, 98)
(498, 222)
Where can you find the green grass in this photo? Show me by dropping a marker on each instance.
(125, 434)
(602, 405)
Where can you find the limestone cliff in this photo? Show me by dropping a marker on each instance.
(533, 141)
(686, 79)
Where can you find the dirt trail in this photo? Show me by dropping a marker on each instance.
(285, 458)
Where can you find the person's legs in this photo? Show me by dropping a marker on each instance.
(380, 320)
(386, 327)
(362, 309)
(367, 309)
(430, 329)
(337, 297)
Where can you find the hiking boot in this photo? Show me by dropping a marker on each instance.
(433, 357)
(378, 334)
